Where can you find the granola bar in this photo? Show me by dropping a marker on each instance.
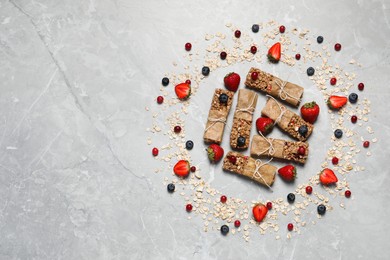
(274, 86)
(287, 120)
(287, 150)
(255, 170)
(217, 117)
(242, 121)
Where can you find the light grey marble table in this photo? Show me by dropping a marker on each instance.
(77, 177)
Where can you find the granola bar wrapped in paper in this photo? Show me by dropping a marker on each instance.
(242, 121)
(287, 120)
(256, 170)
(218, 114)
(287, 150)
(274, 86)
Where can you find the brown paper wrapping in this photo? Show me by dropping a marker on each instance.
(287, 150)
(214, 129)
(289, 121)
(246, 166)
(243, 116)
(271, 85)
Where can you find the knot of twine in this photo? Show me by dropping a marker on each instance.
(281, 108)
(215, 120)
(257, 173)
(250, 109)
(282, 93)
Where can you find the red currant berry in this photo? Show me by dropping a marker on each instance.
(237, 223)
(223, 55)
(290, 226)
(297, 56)
(188, 82)
(232, 159)
(309, 189)
(335, 160)
(223, 199)
(254, 75)
(237, 33)
(361, 86)
(366, 144)
(347, 193)
(282, 29)
(333, 81)
(353, 119)
(301, 150)
(269, 205)
(337, 46)
(193, 169)
(155, 151)
(253, 49)
(188, 207)
(177, 129)
(188, 46)
(160, 99)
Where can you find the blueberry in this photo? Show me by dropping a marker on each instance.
(224, 230)
(338, 133)
(255, 28)
(223, 98)
(291, 197)
(189, 145)
(165, 81)
(241, 141)
(171, 187)
(310, 71)
(302, 130)
(205, 71)
(321, 209)
(320, 39)
(353, 97)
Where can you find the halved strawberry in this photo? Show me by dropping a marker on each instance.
(336, 102)
(183, 91)
(275, 52)
(215, 152)
(327, 177)
(259, 212)
(182, 168)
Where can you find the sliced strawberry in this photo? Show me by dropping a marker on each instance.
(327, 177)
(182, 168)
(310, 112)
(259, 212)
(264, 125)
(275, 52)
(288, 172)
(215, 152)
(183, 91)
(337, 102)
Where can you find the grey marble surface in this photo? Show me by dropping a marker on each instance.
(77, 180)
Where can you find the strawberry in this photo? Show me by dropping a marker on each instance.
(327, 177)
(264, 125)
(274, 52)
(215, 152)
(259, 212)
(183, 91)
(310, 112)
(336, 102)
(288, 172)
(232, 80)
(182, 168)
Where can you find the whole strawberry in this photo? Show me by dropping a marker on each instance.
(232, 81)
(327, 177)
(259, 212)
(264, 125)
(215, 153)
(275, 52)
(182, 168)
(288, 172)
(310, 112)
